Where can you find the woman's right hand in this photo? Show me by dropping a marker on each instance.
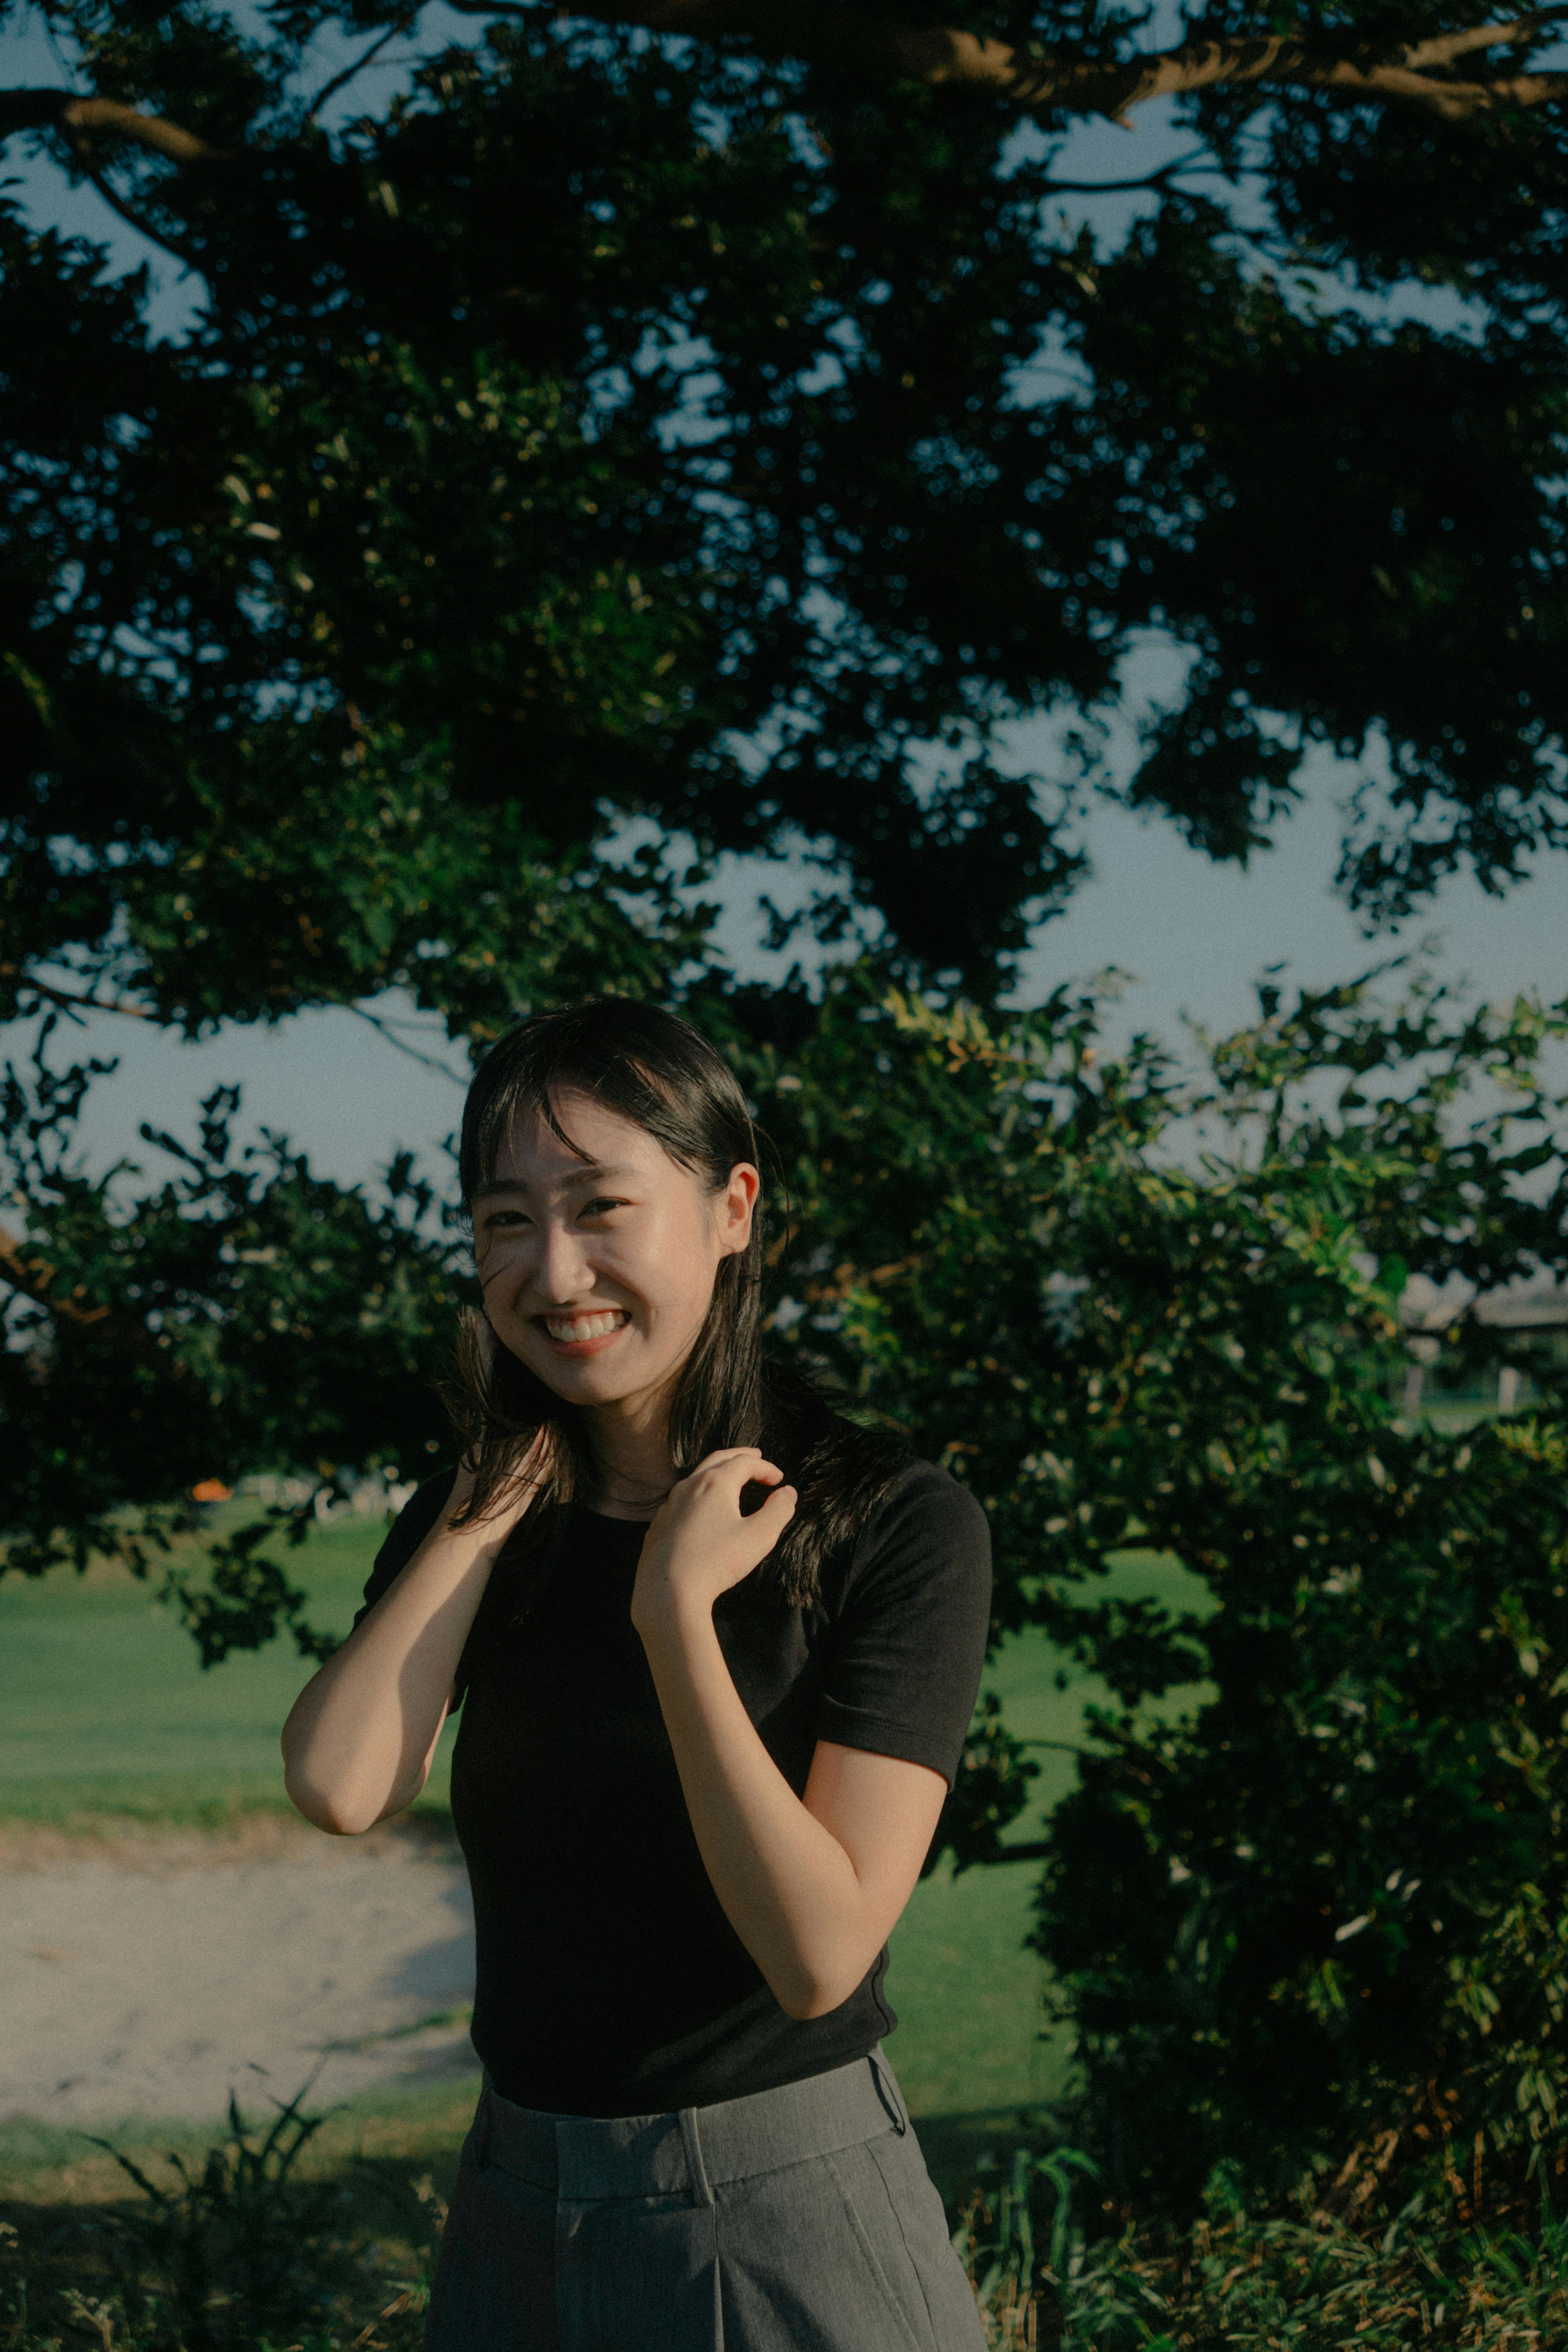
(700, 1542)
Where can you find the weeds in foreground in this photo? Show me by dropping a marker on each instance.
(1437, 2276)
(240, 2255)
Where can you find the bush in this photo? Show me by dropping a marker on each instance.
(1461, 2266)
(1313, 1883)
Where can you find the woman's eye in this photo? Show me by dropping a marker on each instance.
(602, 1208)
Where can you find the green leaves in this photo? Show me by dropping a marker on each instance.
(614, 442)
(1285, 1895)
(242, 1316)
(1312, 1864)
(990, 1792)
(651, 433)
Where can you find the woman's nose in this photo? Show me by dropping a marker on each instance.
(563, 1272)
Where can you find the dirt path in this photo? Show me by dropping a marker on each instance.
(142, 1975)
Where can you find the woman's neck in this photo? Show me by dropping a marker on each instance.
(631, 1443)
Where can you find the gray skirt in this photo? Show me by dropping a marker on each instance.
(800, 2220)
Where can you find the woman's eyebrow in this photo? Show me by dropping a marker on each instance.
(594, 1172)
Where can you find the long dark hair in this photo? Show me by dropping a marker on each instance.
(658, 1071)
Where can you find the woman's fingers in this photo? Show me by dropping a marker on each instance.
(726, 1456)
(744, 1467)
(736, 1467)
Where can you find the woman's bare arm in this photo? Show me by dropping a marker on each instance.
(812, 1885)
(359, 1740)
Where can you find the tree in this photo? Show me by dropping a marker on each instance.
(619, 427)
(241, 1313)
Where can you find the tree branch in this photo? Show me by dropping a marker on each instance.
(1444, 47)
(341, 80)
(158, 236)
(937, 54)
(76, 1005)
(81, 117)
(34, 1277)
(1199, 159)
(384, 1028)
(80, 120)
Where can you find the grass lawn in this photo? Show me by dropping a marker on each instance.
(104, 1707)
(104, 1710)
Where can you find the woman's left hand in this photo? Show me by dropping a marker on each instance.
(699, 1542)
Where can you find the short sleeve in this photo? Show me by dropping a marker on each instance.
(405, 1535)
(905, 1652)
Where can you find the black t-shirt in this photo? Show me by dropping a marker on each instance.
(609, 1982)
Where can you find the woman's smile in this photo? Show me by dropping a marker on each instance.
(583, 1332)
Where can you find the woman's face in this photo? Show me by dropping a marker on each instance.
(598, 1270)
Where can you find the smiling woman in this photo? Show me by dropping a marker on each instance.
(614, 1196)
(717, 1650)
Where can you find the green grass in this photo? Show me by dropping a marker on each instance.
(423, 2123)
(104, 1707)
(104, 1711)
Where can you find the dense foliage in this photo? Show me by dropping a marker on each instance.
(1457, 2263)
(233, 2253)
(1320, 1891)
(241, 1314)
(607, 428)
(251, 2246)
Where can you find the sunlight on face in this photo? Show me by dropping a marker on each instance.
(598, 1270)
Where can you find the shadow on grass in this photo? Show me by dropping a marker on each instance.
(963, 2152)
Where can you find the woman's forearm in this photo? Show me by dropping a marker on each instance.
(357, 1745)
(788, 1888)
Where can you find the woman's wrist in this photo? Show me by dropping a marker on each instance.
(669, 1615)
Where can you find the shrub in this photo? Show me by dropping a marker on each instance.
(1314, 1881)
(1459, 2267)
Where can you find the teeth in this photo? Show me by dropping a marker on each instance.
(586, 1327)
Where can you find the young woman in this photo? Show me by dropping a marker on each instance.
(717, 1651)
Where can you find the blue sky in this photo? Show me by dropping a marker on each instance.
(1193, 937)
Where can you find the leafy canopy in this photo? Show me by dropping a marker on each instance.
(733, 432)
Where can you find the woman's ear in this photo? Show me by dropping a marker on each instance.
(737, 1207)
